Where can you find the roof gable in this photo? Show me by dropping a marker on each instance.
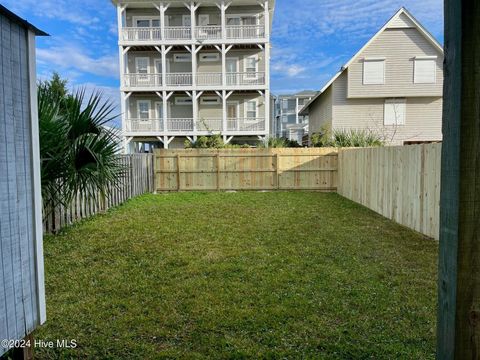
(401, 20)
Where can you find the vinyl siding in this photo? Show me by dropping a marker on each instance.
(320, 115)
(18, 284)
(202, 66)
(399, 47)
(174, 14)
(186, 111)
(423, 115)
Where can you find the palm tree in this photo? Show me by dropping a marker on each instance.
(78, 153)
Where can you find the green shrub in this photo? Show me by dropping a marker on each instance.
(347, 138)
(279, 143)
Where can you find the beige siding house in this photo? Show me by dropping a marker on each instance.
(392, 86)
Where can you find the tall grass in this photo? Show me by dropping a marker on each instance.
(347, 138)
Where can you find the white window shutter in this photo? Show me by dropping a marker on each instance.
(374, 72)
(425, 71)
(395, 111)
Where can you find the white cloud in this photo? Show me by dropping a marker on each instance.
(74, 57)
(70, 11)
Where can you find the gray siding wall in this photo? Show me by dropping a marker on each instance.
(174, 14)
(423, 115)
(18, 295)
(204, 111)
(202, 66)
(320, 115)
(399, 47)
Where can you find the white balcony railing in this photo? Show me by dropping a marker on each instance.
(186, 79)
(245, 78)
(144, 125)
(179, 124)
(209, 79)
(210, 32)
(142, 34)
(179, 79)
(178, 32)
(182, 125)
(210, 124)
(143, 80)
(246, 124)
(240, 32)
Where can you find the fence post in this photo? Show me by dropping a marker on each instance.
(178, 172)
(218, 171)
(277, 170)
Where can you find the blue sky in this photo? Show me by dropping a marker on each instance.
(311, 39)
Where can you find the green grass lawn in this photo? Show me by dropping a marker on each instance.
(240, 275)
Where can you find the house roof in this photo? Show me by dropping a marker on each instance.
(401, 11)
(15, 18)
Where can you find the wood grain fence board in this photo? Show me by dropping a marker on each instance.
(138, 179)
(401, 183)
(245, 169)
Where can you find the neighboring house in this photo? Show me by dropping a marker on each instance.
(22, 295)
(393, 86)
(287, 121)
(194, 68)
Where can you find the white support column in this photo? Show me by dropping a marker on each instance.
(267, 20)
(193, 51)
(296, 110)
(267, 82)
(224, 66)
(162, 8)
(194, 97)
(165, 97)
(223, 19)
(224, 111)
(165, 51)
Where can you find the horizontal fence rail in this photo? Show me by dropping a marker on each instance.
(401, 183)
(142, 80)
(246, 169)
(138, 180)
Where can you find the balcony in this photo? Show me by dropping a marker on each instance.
(207, 79)
(185, 125)
(144, 35)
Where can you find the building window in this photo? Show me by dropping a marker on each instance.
(210, 57)
(251, 67)
(395, 111)
(142, 64)
(183, 101)
(143, 109)
(210, 100)
(374, 71)
(425, 70)
(182, 58)
(251, 110)
(147, 22)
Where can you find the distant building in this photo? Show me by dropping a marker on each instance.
(287, 121)
(393, 86)
(190, 69)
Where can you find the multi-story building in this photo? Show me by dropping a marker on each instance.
(287, 121)
(189, 69)
(393, 86)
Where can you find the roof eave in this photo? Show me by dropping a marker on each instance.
(15, 18)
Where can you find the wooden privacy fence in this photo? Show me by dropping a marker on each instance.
(138, 180)
(246, 169)
(401, 183)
